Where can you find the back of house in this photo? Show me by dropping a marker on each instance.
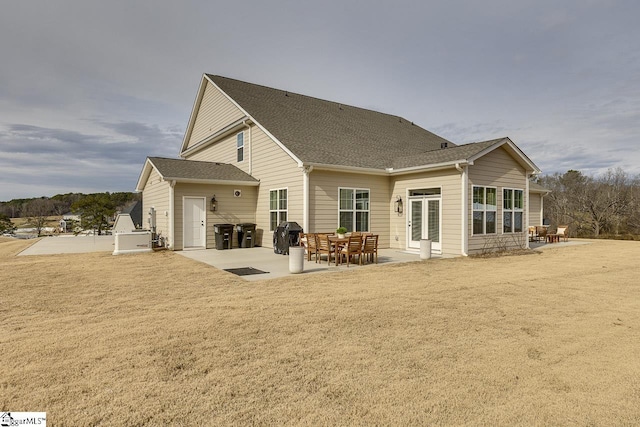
(254, 154)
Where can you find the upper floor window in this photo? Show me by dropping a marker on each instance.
(512, 210)
(485, 206)
(240, 146)
(353, 209)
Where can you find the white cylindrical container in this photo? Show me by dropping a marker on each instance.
(425, 248)
(296, 259)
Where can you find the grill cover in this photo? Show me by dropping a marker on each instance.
(286, 234)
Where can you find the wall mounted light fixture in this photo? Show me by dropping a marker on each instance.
(214, 204)
(398, 205)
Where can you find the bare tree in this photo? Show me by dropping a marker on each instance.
(593, 205)
(37, 212)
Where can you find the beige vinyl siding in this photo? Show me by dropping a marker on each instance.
(496, 169)
(230, 209)
(275, 169)
(225, 151)
(214, 113)
(156, 194)
(323, 201)
(535, 206)
(450, 183)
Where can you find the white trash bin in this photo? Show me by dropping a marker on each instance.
(296, 259)
(425, 248)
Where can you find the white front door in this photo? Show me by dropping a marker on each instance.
(194, 222)
(424, 221)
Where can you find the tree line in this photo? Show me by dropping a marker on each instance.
(94, 209)
(606, 205)
(59, 204)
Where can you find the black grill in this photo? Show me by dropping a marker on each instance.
(286, 234)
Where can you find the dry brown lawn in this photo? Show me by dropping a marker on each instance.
(50, 221)
(158, 339)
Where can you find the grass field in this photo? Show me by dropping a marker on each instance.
(157, 339)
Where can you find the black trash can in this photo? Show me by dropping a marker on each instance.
(286, 234)
(246, 234)
(224, 235)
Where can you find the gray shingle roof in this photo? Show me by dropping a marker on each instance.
(537, 188)
(196, 170)
(326, 132)
(459, 152)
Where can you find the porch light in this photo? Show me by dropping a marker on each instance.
(214, 203)
(398, 204)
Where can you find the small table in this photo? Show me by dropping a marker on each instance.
(553, 238)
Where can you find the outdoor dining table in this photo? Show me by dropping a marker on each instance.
(338, 243)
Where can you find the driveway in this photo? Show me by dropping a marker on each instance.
(70, 245)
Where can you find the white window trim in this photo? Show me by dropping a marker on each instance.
(485, 210)
(513, 210)
(278, 209)
(354, 210)
(240, 147)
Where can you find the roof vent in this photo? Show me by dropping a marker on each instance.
(444, 145)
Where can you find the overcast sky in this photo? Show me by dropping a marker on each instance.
(89, 89)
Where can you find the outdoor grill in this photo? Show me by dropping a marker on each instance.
(286, 234)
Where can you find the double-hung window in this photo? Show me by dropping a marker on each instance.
(512, 210)
(240, 146)
(277, 207)
(484, 210)
(354, 209)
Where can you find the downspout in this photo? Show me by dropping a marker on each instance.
(542, 196)
(172, 185)
(306, 170)
(464, 184)
(528, 175)
(250, 146)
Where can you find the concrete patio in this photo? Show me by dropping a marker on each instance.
(540, 246)
(264, 259)
(70, 244)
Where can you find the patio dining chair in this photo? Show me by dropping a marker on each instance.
(541, 233)
(353, 247)
(563, 232)
(310, 245)
(370, 248)
(323, 246)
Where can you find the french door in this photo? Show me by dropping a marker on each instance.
(424, 221)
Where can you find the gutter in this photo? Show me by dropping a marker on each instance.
(340, 168)
(213, 181)
(430, 168)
